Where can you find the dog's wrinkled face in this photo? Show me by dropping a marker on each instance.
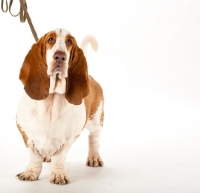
(55, 64)
(58, 47)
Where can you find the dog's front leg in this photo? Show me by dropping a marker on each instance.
(58, 170)
(34, 168)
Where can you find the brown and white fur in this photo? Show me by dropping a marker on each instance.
(59, 101)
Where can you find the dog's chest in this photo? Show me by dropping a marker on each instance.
(50, 124)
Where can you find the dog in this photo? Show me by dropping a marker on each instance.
(59, 101)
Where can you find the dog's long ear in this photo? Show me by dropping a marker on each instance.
(77, 82)
(33, 73)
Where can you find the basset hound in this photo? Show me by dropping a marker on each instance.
(59, 101)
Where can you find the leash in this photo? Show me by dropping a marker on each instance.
(23, 14)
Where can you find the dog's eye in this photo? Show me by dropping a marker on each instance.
(69, 42)
(51, 40)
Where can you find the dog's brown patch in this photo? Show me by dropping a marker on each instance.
(24, 136)
(93, 100)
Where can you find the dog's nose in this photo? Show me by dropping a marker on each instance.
(59, 57)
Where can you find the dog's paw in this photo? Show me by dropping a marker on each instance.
(60, 179)
(94, 161)
(28, 175)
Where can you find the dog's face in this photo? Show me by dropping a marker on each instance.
(58, 46)
(55, 64)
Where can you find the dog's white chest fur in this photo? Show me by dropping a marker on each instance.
(50, 124)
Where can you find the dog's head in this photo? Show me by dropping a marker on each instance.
(55, 64)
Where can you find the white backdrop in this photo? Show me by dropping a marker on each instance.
(148, 64)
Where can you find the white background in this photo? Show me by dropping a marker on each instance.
(148, 64)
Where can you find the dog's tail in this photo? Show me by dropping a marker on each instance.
(93, 42)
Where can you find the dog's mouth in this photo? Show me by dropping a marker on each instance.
(58, 70)
(58, 66)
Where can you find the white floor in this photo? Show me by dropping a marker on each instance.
(148, 65)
